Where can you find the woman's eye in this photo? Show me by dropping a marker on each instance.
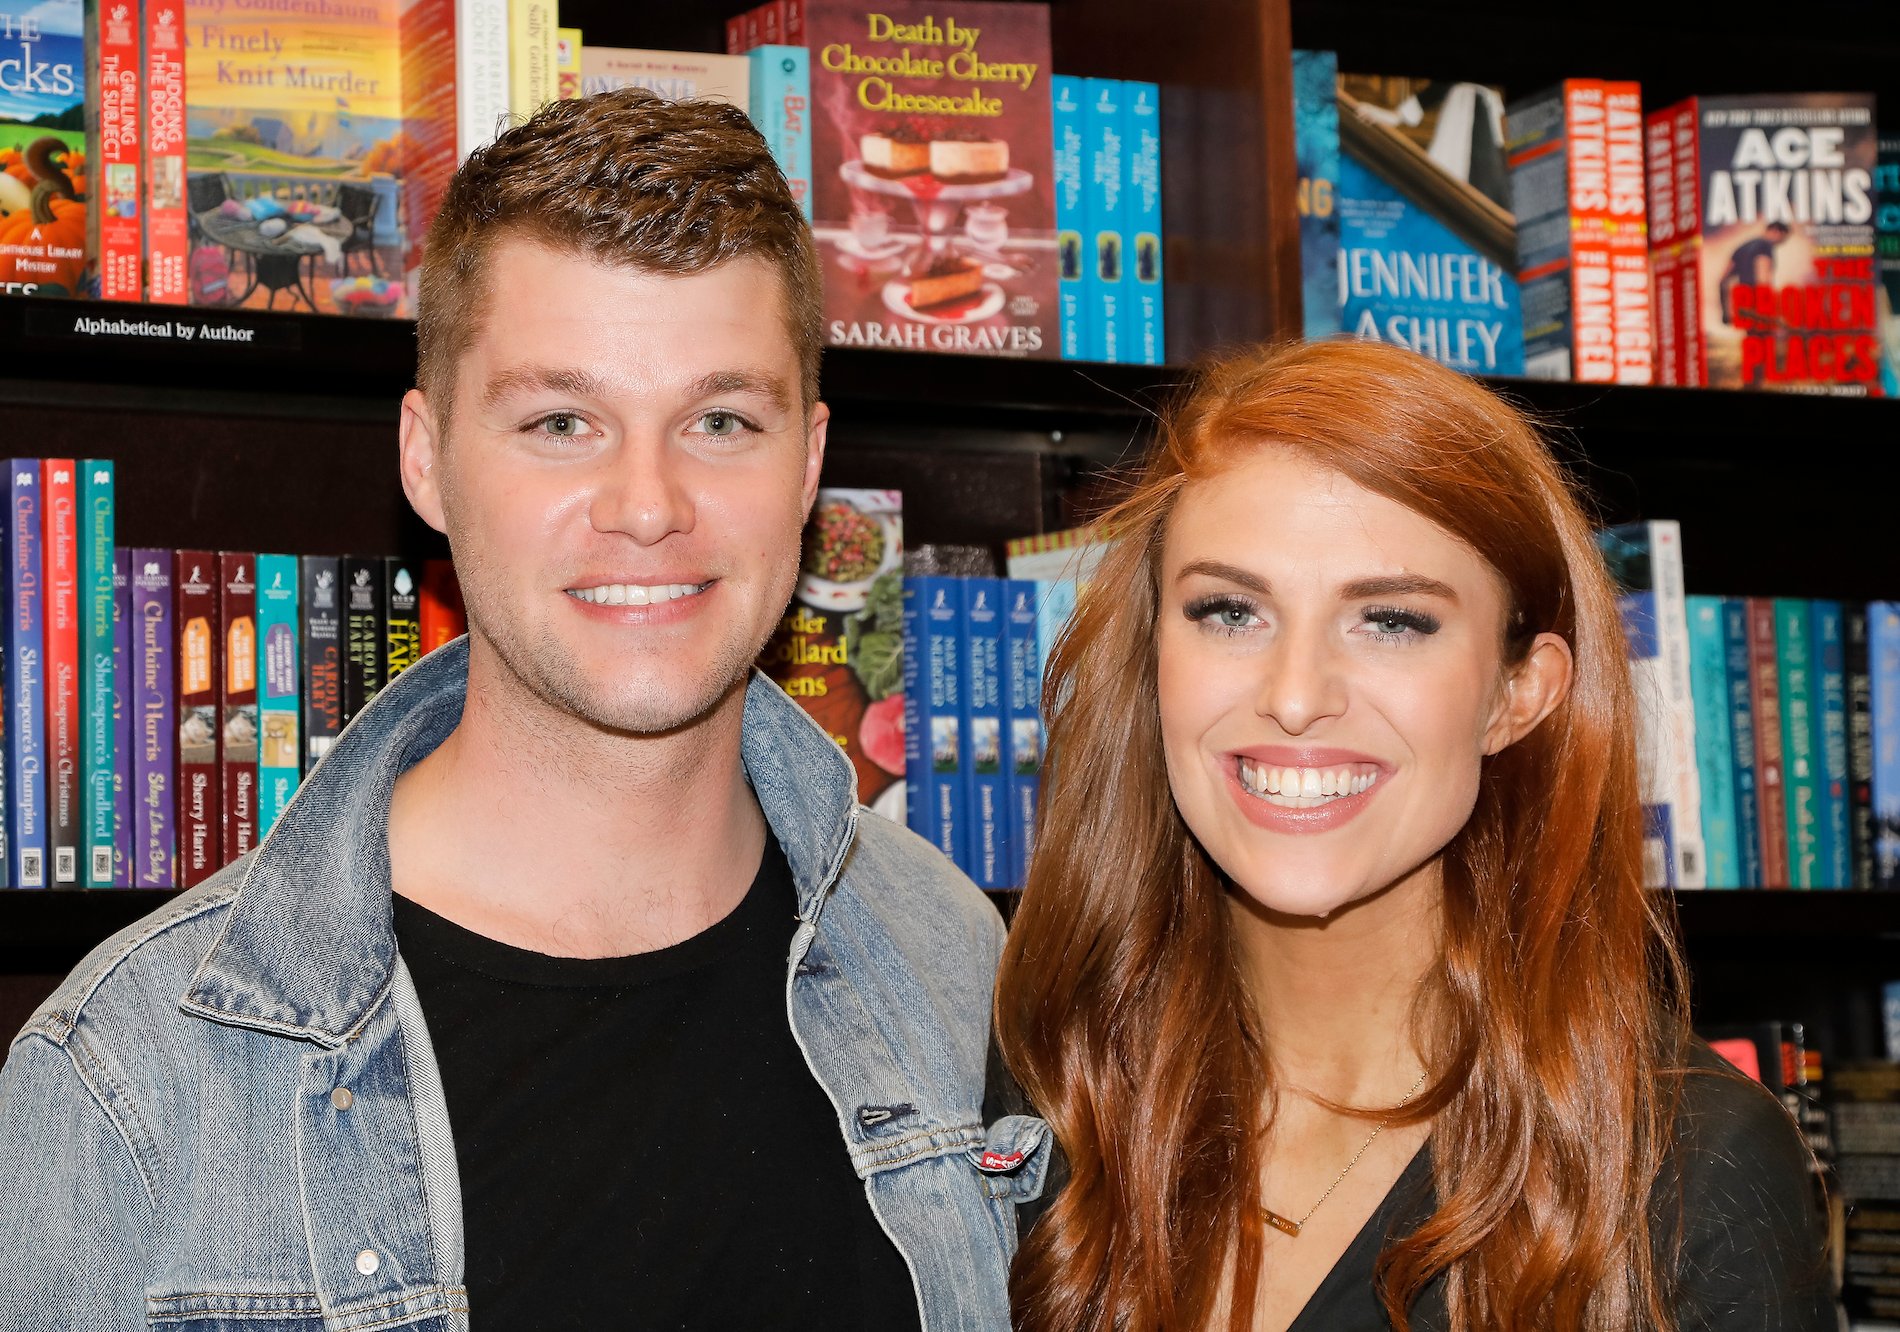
(1226, 614)
(1394, 623)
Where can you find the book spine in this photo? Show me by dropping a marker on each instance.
(113, 172)
(1883, 657)
(237, 701)
(279, 751)
(735, 35)
(443, 618)
(1764, 674)
(26, 681)
(154, 833)
(167, 222)
(531, 26)
(1632, 311)
(1672, 643)
(933, 699)
(1143, 251)
(1106, 211)
(1686, 160)
(754, 19)
(1860, 746)
(59, 507)
(1795, 672)
(322, 655)
(1055, 606)
(431, 84)
(364, 661)
(1714, 744)
(780, 93)
(794, 23)
(1022, 722)
(197, 668)
(402, 617)
(567, 62)
(1665, 274)
(1829, 674)
(771, 23)
(1065, 98)
(1741, 712)
(1557, 258)
(986, 792)
(98, 753)
(1659, 160)
(481, 72)
(123, 731)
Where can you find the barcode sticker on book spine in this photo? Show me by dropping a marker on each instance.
(32, 869)
(102, 864)
(66, 864)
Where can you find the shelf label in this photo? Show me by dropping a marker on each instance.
(78, 322)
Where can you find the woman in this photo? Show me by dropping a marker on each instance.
(1335, 974)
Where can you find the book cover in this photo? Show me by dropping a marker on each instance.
(124, 733)
(1714, 743)
(1316, 146)
(932, 199)
(1741, 714)
(675, 75)
(167, 214)
(237, 701)
(1887, 259)
(1427, 239)
(987, 793)
(43, 168)
(1022, 720)
(1066, 174)
(1143, 252)
(1800, 770)
(780, 97)
(59, 547)
(26, 681)
(432, 90)
(154, 843)
(365, 664)
(114, 148)
(1107, 288)
(443, 618)
(531, 25)
(1860, 744)
(97, 632)
(1883, 652)
(839, 649)
(198, 667)
(294, 156)
(402, 617)
(933, 711)
(1764, 675)
(279, 747)
(322, 644)
(568, 48)
(1575, 154)
(1835, 850)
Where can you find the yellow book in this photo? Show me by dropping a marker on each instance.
(567, 63)
(531, 26)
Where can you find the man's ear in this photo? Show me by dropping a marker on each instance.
(419, 449)
(815, 451)
(1532, 690)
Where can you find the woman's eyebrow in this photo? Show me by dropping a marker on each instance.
(1230, 573)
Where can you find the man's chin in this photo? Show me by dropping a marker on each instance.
(654, 707)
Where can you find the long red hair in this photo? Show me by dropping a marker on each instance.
(1557, 1003)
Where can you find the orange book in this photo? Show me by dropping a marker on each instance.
(443, 618)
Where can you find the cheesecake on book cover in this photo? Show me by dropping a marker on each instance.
(44, 185)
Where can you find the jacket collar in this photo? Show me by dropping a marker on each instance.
(308, 949)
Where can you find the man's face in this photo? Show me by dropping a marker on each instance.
(623, 481)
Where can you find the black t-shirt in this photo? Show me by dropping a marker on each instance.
(1742, 263)
(641, 1143)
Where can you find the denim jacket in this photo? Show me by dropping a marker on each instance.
(229, 1117)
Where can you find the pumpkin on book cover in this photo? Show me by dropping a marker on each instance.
(43, 186)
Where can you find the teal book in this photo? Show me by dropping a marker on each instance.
(1800, 766)
(1065, 97)
(1741, 725)
(1147, 344)
(1828, 652)
(1105, 213)
(1714, 741)
(98, 748)
(279, 748)
(781, 109)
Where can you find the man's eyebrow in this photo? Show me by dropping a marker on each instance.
(519, 380)
(1227, 573)
(1398, 585)
(721, 382)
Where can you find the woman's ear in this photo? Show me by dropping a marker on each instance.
(1532, 690)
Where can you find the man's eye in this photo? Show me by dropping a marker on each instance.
(564, 425)
(722, 423)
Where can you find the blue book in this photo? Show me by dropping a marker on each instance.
(1022, 652)
(1065, 97)
(122, 731)
(26, 681)
(1147, 344)
(781, 109)
(1055, 604)
(98, 751)
(1105, 210)
(1316, 149)
(1883, 659)
(983, 683)
(1714, 742)
(933, 711)
(1835, 867)
(279, 675)
(1741, 714)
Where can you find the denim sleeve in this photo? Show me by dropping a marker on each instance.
(76, 1222)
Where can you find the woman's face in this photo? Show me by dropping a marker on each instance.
(1331, 676)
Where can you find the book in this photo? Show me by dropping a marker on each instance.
(114, 149)
(279, 682)
(1055, 606)
(531, 25)
(933, 205)
(364, 648)
(237, 703)
(1714, 743)
(839, 648)
(443, 618)
(1775, 263)
(1883, 652)
(154, 843)
(1800, 764)
(43, 170)
(1887, 259)
(1659, 162)
(1835, 867)
(933, 711)
(167, 217)
(402, 619)
(1148, 342)
(1741, 717)
(59, 546)
(1427, 239)
(987, 790)
(198, 668)
(322, 651)
(675, 75)
(1316, 148)
(1066, 173)
(780, 99)
(97, 597)
(1860, 744)
(568, 47)
(25, 681)
(1764, 657)
(1106, 286)
(1575, 154)
(1022, 720)
(123, 730)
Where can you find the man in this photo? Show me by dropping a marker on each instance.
(1752, 265)
(573, 989)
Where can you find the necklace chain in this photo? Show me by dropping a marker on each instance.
(1288, 1226)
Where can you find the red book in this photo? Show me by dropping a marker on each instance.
(1764, 682)
(735, 35)
(1687, 165)
(771, 23)
(754, 25)
(60, 534)
(794, 23)
(115, 177)
(1659, 163)
(237, 701)
(443, 619)
(200, 653)
(167, 233)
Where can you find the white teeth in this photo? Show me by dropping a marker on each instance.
(634, 594)
(1302, 788)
